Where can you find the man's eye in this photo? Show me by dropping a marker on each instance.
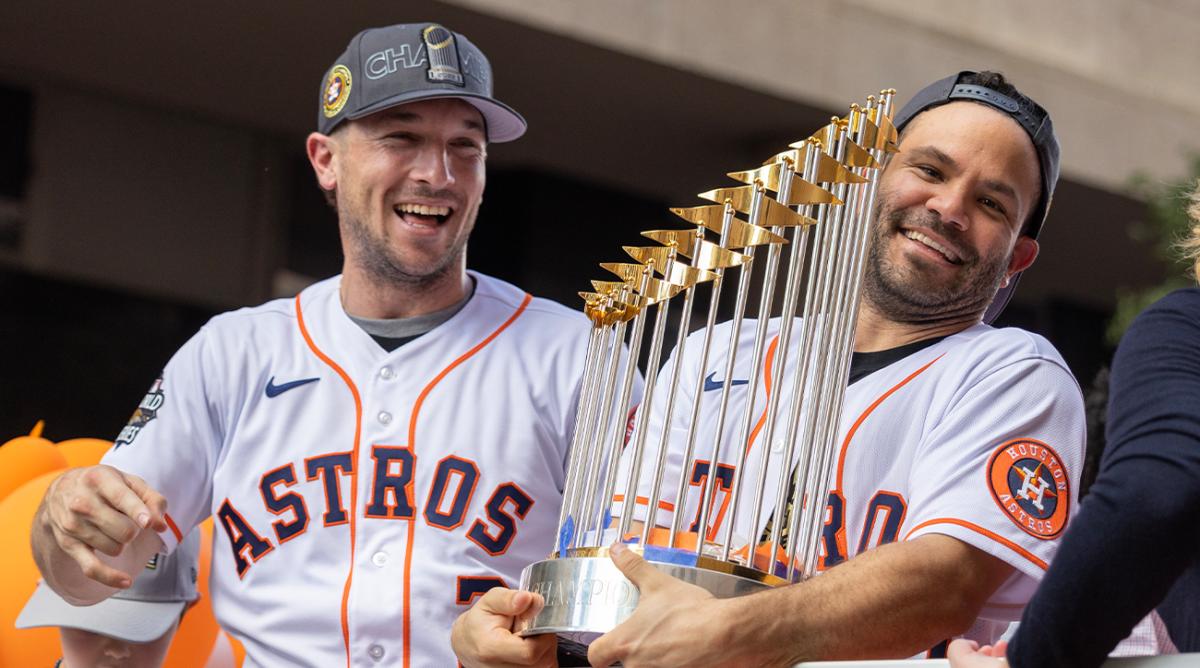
(992, 204)
(929, 171)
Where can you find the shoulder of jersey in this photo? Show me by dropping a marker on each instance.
(540, 311)
(1006, 345)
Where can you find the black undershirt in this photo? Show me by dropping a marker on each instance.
(865, 364)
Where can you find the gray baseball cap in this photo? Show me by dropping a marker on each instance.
(142, 613)
(1032, 118)
(385, 67)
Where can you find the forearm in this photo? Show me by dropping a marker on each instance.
(891, 602)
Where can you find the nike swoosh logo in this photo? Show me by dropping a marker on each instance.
(274, 390)
(710, 384)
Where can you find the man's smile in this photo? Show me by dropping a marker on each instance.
(942, 249)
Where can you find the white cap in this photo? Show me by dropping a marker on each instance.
(142, 613)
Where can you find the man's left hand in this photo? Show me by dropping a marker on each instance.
(675, 623)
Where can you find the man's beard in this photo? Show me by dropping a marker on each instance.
(900, 294)
(378, 260)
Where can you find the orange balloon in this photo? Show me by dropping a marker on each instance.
(19, 577)
(83, 451)
(24, 458)
(197, 634)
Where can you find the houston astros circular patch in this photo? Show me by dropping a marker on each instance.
(1030, 484)
(337, 91)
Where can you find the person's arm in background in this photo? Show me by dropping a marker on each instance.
(1136, 531)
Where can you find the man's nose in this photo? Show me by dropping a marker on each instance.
(950, 204)
(432, 166)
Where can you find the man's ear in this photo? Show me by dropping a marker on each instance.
(1024, 253)
(323, 158)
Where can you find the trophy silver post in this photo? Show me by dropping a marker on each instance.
(833, 329)
(812, 354)
(639, 431)
(710, 322)
(612, 450)
(710, 266)
(708, 496)
(845, 317)
(882, 144)
(581, 511)
(764, 319)
(796, 274)
(586, 405)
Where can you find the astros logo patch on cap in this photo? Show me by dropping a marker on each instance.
(1030, 484)
(337, 91)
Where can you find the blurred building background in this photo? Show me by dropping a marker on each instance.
(152, 170)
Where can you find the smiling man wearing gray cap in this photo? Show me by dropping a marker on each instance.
(134, 627)
(383, 448)
(959, 443)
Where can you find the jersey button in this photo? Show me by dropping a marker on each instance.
(380, 559)
(385, 417)
(386, 373)
(376, 652)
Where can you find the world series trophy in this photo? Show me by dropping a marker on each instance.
(643, 473)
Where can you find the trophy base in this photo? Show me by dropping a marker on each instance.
(587, 596)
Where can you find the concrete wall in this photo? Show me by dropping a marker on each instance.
(1119, 77)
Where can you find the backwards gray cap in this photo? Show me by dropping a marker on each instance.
(384, 67)
(1029, 115)
(142, 613)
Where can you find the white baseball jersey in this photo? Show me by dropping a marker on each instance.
(363, 498)
(979, 436)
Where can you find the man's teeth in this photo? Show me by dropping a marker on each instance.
(424, 210)
(946, 252)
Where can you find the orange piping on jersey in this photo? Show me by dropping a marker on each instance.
(871, 409)
(173, 527)
(412, 439)
(762, 419)
(980, 530)
(645, 501)
(353, 510)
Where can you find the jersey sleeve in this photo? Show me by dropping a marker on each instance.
(1000, 471)
(173, 437)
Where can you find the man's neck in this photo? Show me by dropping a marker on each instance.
(875, 331)
(367, 298)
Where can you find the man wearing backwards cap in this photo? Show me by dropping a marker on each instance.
(134, 627)
(959, 443)
(385, 447)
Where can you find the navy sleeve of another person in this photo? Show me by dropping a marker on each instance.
(1137, 536)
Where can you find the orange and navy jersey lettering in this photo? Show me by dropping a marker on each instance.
(391, 493)
(497, 534)
(448, 501)
(278, 504)
(245, 543)
(329, 469)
